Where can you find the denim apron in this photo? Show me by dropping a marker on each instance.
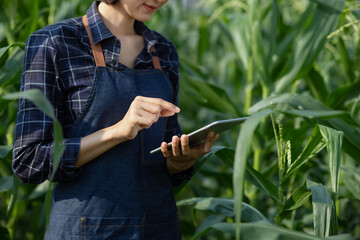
(125, 193)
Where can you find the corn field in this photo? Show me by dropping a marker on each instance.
(291, 171)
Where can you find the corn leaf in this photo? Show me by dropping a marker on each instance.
(298, 198)
(239, 30)
(31, 26)
(39, 191)
(258, 52)
(13, 198)
(4, 51)
(206, 225)
(261, 182)
(273, 30)
(242, 147)
(224, 206)
(321, 208)
(333, 140)
(4, 233)
(323, 114)
(40, 101)
(338, 97)
(4, 151)
(317, 86)
(351, 132)
(198, 165)
(36, 97)
(351, 179)
(209, 95)
(313, 146)
(12, 67)
(261, 231)
(308, 45)
(6, 184)
(254, 177)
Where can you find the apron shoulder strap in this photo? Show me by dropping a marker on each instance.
(99, 56)
(155, 58)
(96, 48)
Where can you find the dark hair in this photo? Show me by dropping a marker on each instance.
(109, 1)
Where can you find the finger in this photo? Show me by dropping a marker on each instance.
(175, 146)
(147, 119)
(165, 150)
(185, 148)
(209, 142)
(151, 107)
(167, 108)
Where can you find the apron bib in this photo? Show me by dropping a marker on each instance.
(125, 193)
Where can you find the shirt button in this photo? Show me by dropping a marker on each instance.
(113, 62)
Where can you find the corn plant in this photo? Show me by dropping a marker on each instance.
(295, 177)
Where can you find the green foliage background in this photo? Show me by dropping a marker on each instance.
(291, 171)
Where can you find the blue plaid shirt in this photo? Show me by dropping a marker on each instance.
(59, 62)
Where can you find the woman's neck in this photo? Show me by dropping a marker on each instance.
(116, 19)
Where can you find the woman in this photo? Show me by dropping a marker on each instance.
(113, 83)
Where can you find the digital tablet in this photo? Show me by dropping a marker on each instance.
(200, 135)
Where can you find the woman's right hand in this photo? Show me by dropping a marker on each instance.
(143, 113)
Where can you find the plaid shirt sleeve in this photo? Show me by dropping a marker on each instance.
(33, 147)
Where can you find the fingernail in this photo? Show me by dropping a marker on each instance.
(177, 109)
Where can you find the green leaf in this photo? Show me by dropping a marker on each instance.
(59, 147)
(258, 52)
(260, 231)
(5, 150)
(313, 146)
(242, 147)
(14, 197)
(4, 233)
(210, 96)
(273, 26)
(39, 191)
(316, 84)
(33, 19)
(310, 43)
(261, 182)
(322, 207)
(345, 60)
(333, 140)
(253, 176)
(225, 207)
(239, 29)
(206, 224)
(197, 166)
(217, 205)
(351, 134)
(323, 114)
(36, 97)
(6, 183)
(297, 198)
(351, 179)
(12, 67)
(40, 101)
(4, 51)
(338, 97)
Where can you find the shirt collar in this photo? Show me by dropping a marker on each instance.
(100, 32)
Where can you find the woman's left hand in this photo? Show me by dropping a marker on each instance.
(181, 157)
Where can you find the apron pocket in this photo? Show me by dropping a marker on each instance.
(111, 228)
(150, 139)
